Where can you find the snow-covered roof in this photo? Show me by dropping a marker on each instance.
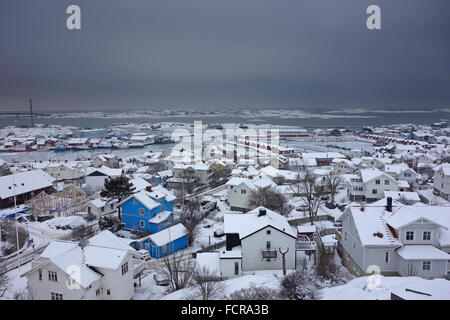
(250, 222)
(105, 250)
(210, 261)
(421, 252)
(139, 184)
(408, 196)
(107, 171)
(168, 235)
(402, 217)
(160, 217)
(144, 198)
(234, 253)
(372, 173)
(369, 222)
(306, 229)
(403, 184)
(322, 155)
(24, 182)
(109, 240)
(397, 168)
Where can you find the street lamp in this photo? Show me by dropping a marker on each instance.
(15, 216)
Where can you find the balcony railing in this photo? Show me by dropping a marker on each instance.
(269, 254)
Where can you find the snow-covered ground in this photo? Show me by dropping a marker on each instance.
(358, 288)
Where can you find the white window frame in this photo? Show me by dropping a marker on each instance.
(423, 235)
(142, 223)
(428, 262)
(406, 235)
(141, 211)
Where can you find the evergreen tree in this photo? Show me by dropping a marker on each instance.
(117, 188)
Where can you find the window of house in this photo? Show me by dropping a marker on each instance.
(236, 268)
(108, 292)
(243, 191)
(40, 275)
(52, 276)
(125, 268)
(99, 291)
(102, 209)
(374, 191)
(268, 231)
(164, 248)
(134, 200)
(426, 265)
(377, 181)
(386, 257)
(112, 205)
(268, 245)
(409, 235)
(141, 211)
(427, 235)
(56, 296)
(142, 223)
(386, 182)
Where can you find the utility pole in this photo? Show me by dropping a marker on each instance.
(31, 113)
(17, 227)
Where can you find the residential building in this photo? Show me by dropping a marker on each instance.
(442, 181)
(24, 185)
(395, 239)
(102, 268)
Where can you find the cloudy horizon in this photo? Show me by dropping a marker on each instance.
(202, 54)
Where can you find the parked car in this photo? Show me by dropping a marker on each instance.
(330, 205)
(337, 224)
(302, 207)
(145, 254)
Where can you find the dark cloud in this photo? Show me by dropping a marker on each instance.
(224, 54)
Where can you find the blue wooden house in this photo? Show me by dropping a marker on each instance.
(162, 176)
(148, 210)
(166, 241)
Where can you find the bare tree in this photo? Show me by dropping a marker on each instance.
(279, 180)
(83, 232)
(207, 283)
(269, 198)
(310, 194)
(190, 217)
(255, 293)
(188, 182)
(333, 182)
(177, 269)
(4, 279)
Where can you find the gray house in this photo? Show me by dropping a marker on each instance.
(396, 239)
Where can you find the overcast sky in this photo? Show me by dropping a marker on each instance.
(135, 54)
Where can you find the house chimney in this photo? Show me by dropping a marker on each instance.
(389, 204)
(262, 212)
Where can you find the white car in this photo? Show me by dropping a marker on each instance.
(145, 254)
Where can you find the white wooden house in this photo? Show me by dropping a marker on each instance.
(253, 242)
(104, 268)
(395, 238)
